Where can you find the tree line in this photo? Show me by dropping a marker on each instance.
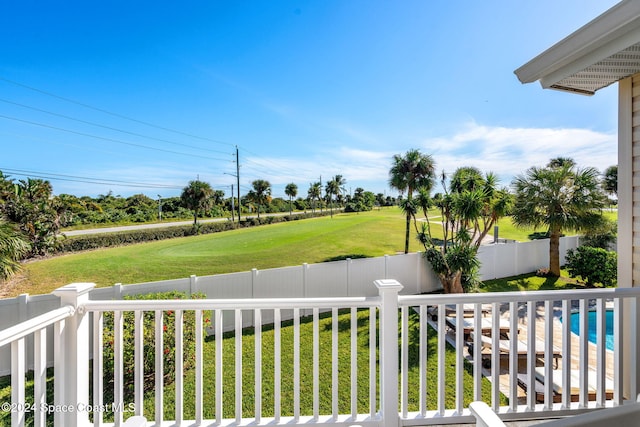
(558, 197)
(31, 217)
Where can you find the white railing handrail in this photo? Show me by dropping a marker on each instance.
(506, 297)
(232, 304)
(37, 323)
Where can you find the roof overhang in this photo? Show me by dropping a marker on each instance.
(600, 53)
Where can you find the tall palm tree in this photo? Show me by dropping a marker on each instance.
(408, 173)
(291, 190)
(196, 196)
(560, 197)
(314, 193)
(261, 193)
(334, 187)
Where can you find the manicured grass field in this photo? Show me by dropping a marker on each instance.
(316, 240)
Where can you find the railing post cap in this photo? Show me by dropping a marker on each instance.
(73, 290)
(388, 284)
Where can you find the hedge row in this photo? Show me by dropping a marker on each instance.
(105, 240)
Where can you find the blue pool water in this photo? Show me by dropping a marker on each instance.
(575, 327)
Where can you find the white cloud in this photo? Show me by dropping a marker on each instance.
(510, 151)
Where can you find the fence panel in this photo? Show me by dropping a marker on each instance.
(362, 272)
(326, 279)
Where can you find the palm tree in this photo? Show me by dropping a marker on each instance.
(291, 190)
(334, 187)
(13, 246)
(196, 197)
(407, 174)
(261, 193)
(560, 197)
(610, 181)
(314, 193)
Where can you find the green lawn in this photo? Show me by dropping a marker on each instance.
(316, 240)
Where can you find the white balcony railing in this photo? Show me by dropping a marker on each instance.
(406, 360)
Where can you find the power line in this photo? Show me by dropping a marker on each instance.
(86, 180)
(121, 116)
(108, 127)
(108, 139)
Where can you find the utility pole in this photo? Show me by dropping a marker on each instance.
(233, 207)
(159, 207)
(238, 180)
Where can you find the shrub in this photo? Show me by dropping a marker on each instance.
(593, 265)
(168, 340)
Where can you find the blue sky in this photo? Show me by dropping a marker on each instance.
(142, 97)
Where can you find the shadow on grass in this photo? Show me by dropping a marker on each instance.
(344, 257)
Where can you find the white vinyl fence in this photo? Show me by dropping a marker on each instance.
(348, 278)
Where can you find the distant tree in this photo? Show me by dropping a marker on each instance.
(408, 173)
(261, 193)
(610, 180)
(314, 193)
(13, 247)
(38, 214)
(560, 197)
(196, 196)
(291, 190)
(334, 188)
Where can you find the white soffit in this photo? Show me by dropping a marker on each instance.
(600, 53)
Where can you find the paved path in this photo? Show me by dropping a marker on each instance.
(161, 225)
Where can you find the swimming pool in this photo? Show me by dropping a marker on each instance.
(575, 327)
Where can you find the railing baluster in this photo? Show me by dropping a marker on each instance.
(441, 360)
(58, 369)
(159, 366)
(258, 365)
(334, 363)
(618, 355)
(423, 360)
(296, 364)
(316, 365)
(98, 385)
(601, 367)
(548, 355)
(566, 348)
(17, 382)
(39, 376)
(404, 367)
(139, 362)
(373, 384)
(495, 356)
(531, 359)
(219, 373)
(179, 368)
(477, 353)
(513, 357)
(238, 363)
(584, 353)
(118, 365)
(459, 359)
(277, 368)
(199, 369)
(354, 363)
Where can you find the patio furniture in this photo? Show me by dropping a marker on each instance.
(450, 310)
(486, 326)
(620, 416)
(558, 387)
(505, 350)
